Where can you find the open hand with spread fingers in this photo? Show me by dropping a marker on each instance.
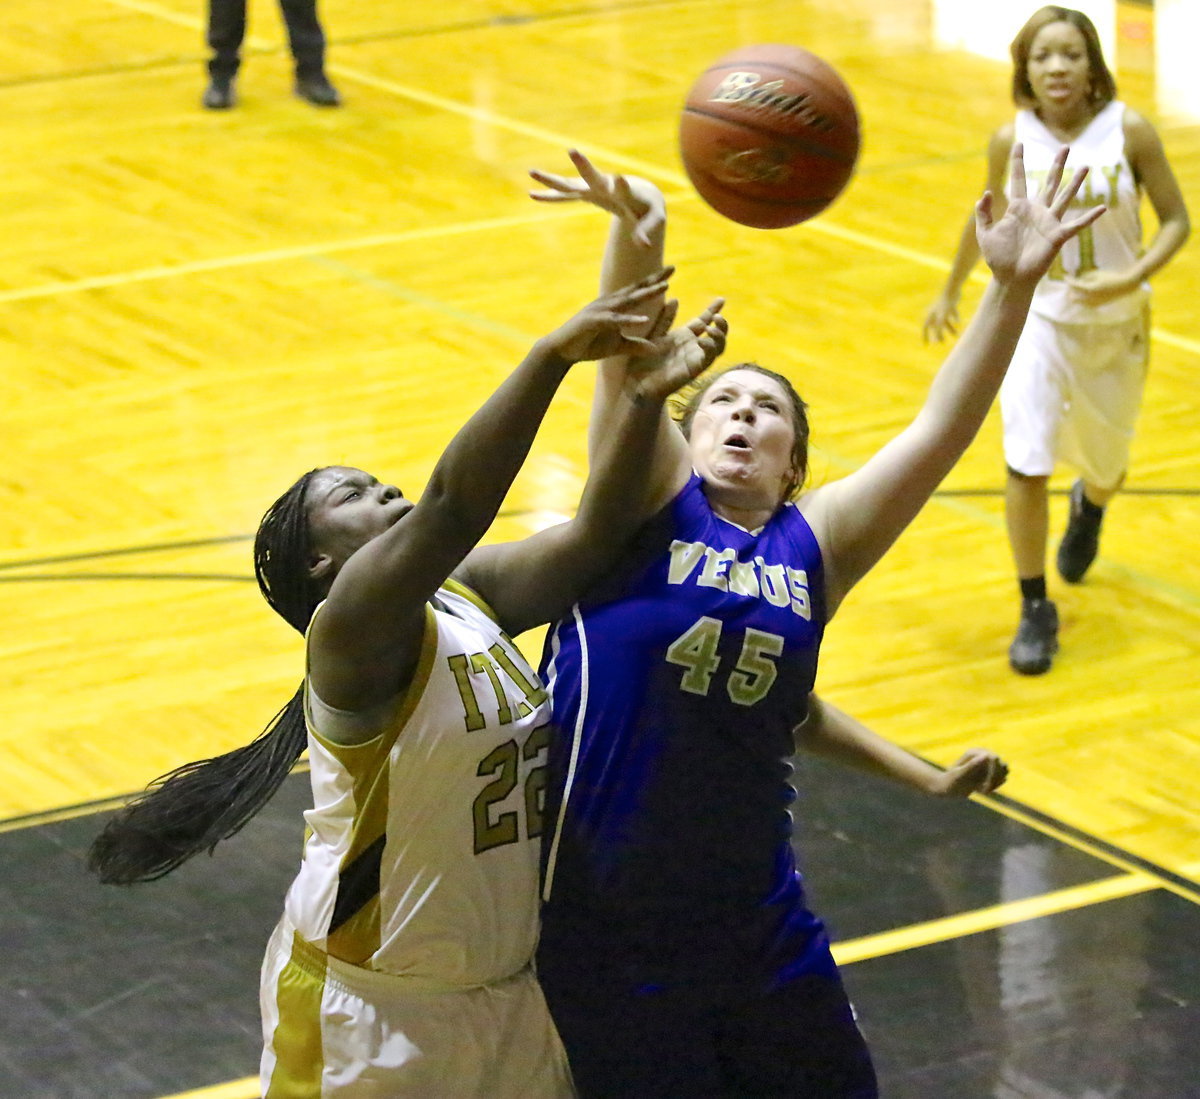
(1020, 247)
(637, 202)
(608, 325)
(678, 354)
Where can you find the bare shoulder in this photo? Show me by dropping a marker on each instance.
(817, 506)
(1003, 137)
(998, 153)
(1141, 137)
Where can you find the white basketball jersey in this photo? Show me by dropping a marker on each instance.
(1115, 240)
(422, 850)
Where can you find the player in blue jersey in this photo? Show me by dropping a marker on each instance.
(678, 954)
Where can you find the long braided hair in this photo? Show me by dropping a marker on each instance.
(192, 808)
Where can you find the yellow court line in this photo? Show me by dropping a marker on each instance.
(246, 1088)
(160, 12)
(248, 259)
(602, 153)
(1095, 850)
(988, 919)
(53, 816)
(887, 942)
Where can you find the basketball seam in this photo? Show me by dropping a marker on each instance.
(792, 141)
(834, 87)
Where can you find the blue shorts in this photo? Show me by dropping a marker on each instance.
(629, 1037)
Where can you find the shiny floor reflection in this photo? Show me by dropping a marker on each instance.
(144, 992)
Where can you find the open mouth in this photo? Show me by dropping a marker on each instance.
(740, 442)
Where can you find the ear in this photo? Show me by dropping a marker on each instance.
(319, 566)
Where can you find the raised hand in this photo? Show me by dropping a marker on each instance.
(977, 771)
(941, 318)
(677, 355)
(598, 330)
(637, 202)
(1020, 247)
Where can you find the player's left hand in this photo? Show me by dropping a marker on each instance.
(637, 202)
(1020, 247)
(977, 771)
(677, 355)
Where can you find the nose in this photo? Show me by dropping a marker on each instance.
(743, 411)
(388, 492)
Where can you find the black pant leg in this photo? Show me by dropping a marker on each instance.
(226, 29)
(305, 36)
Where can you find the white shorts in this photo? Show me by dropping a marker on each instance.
(333, 1029)
(1073, 393)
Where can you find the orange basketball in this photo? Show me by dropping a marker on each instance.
(769, 135)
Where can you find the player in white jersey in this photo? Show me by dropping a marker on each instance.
(1075, 386)
(402, 965)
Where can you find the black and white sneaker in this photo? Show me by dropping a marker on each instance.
(1037, 638)
(1081, 542)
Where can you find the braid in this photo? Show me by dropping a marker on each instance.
(194, 807)
(281, 557)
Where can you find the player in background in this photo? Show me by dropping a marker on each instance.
(1075, 386)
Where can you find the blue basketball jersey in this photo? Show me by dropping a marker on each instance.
(675, 694)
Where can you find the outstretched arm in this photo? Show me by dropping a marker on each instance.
(835, 735)
(536, 580)
(858, 517)
(636, 240)
(365, 642)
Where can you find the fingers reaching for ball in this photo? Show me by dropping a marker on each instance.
(637, 202)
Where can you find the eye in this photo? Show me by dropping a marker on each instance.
(769, 404)
(353, 494)
(720, 398)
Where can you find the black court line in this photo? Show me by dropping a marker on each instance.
(226, 539)
(126, 551)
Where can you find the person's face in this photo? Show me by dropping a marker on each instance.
(346, 509)
(1058, 70)
(742, 436)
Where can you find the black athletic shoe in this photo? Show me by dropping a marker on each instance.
(1081, 542)
(1037, 637)
(218, 96)
(318, 91)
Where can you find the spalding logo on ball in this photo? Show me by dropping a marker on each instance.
(769, 135)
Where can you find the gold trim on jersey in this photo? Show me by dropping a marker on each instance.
(368, 765)
(459, 588)
(299, 994)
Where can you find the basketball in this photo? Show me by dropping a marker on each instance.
(769, 135)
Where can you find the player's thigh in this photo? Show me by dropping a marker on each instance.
(628, 1041)
(333, 1029)
(1107, 387)
(798, 1041)
(1033, 399)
